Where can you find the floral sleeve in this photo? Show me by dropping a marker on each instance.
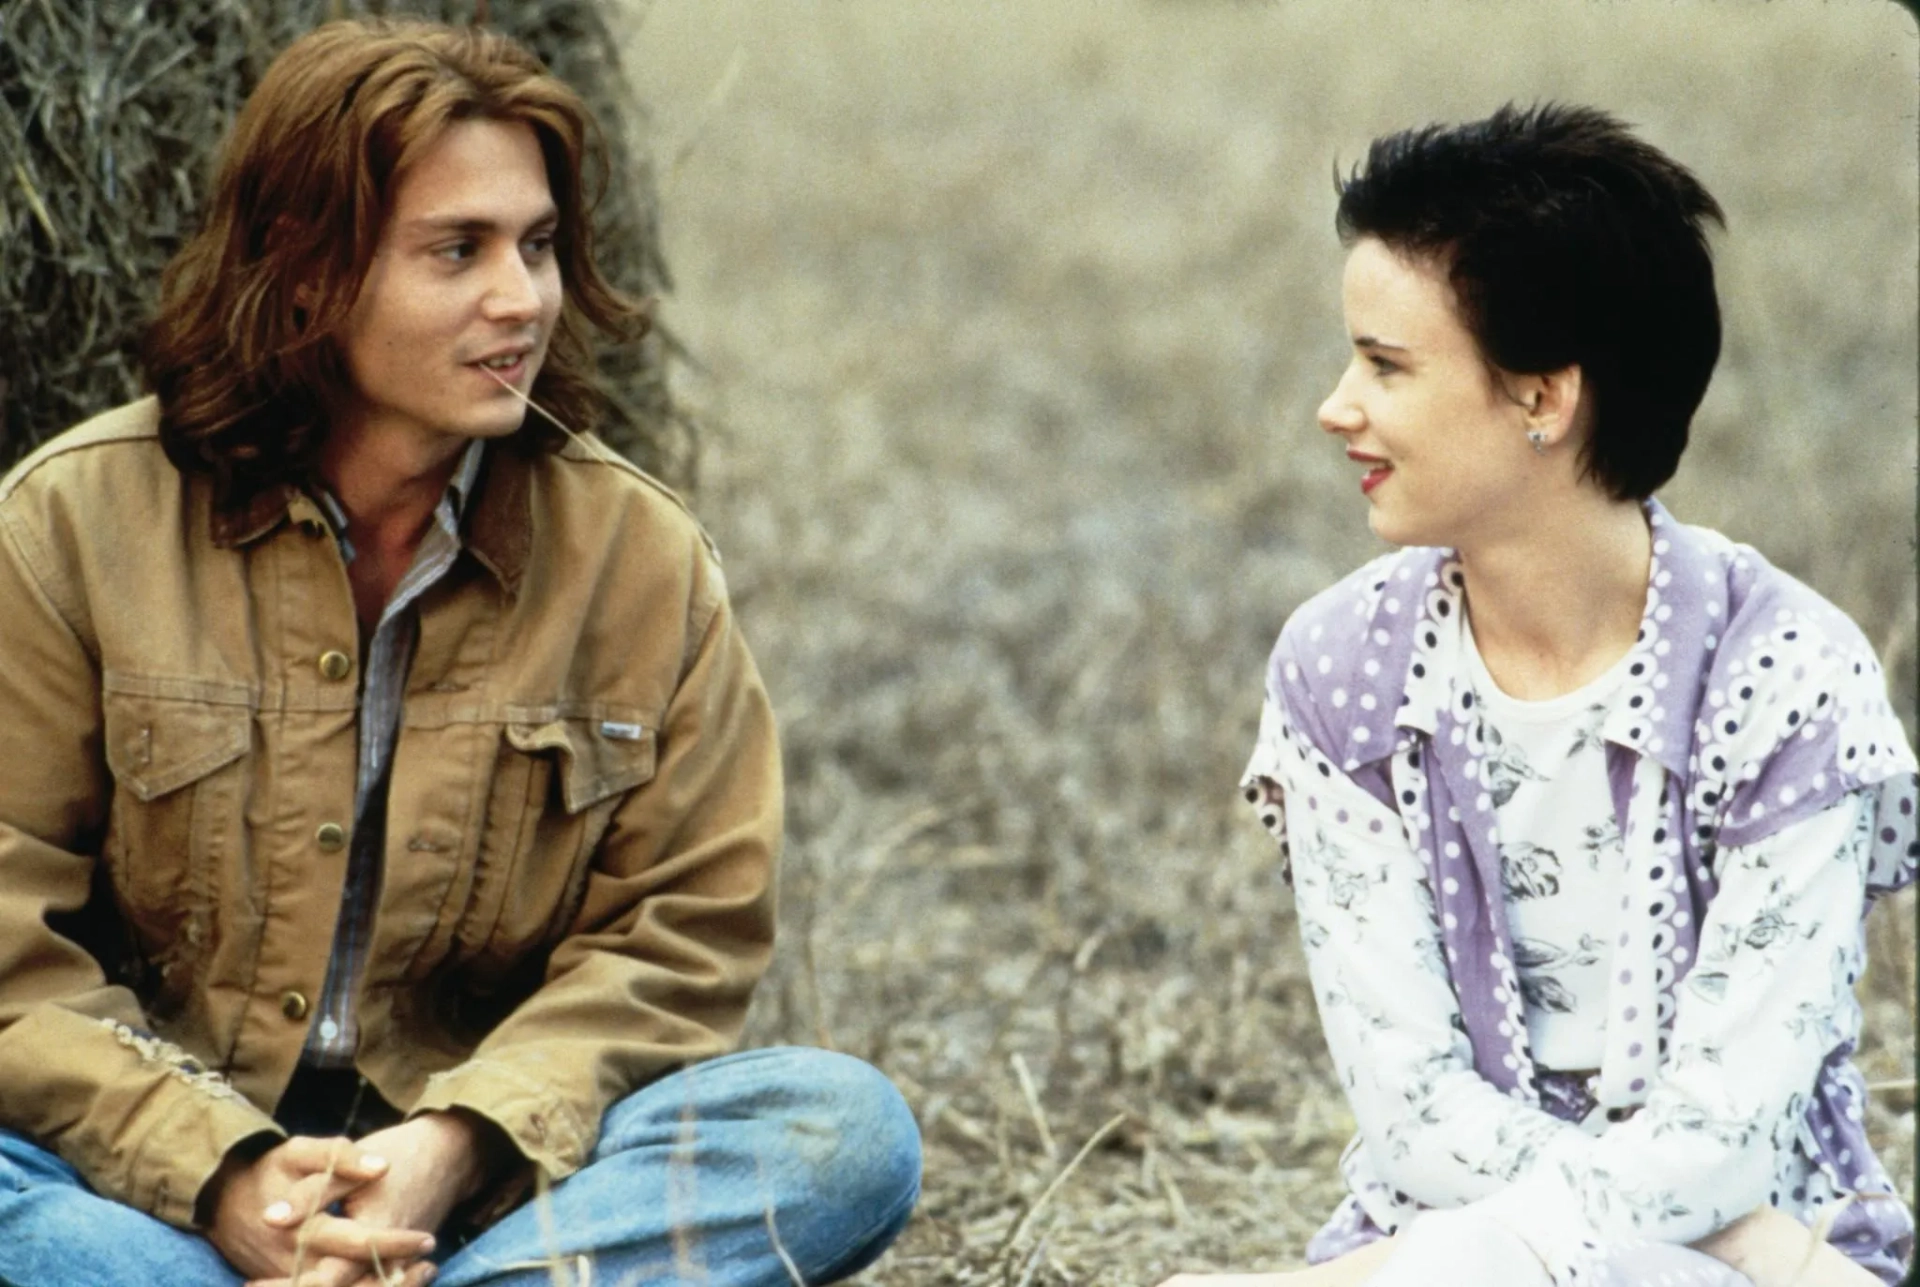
(1436, 1131)
(1769, 998)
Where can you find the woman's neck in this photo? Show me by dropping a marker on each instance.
(1552, 610)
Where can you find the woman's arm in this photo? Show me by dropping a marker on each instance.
(1437, 1132)
(1769, 998)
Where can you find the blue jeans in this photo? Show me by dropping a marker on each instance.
(694, 1178)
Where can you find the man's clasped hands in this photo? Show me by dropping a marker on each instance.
(312, 1212)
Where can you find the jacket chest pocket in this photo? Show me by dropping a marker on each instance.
(176, 817)
(555, 789)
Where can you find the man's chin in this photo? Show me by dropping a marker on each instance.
(492, 423)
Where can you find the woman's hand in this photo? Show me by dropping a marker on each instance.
(1775, 1250)
(1460, 1247)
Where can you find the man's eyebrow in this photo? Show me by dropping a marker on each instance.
(474, 225)
(1373, 342)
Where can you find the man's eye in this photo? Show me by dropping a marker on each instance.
(457, 251)
(1383, 365)
(540, 244)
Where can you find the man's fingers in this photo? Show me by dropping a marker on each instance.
(338, 1271)
(329, 1170)
(309, 1196)
(337, 1154)
(330, 1235)
(417, 1274)
(326, 1271)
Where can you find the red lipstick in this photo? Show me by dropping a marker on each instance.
(1374, 476)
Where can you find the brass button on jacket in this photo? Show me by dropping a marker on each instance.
(293, 1004)
(335, 665)
(331, 837)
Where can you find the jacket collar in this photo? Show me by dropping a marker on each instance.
(1686, 605)
(494, 493)
(500, 521)
(1687, 599)
(253, 516)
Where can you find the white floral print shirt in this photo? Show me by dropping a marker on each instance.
(1561, 860)
(1763, 789)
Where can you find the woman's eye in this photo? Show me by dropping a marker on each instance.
(457, 251)
(1383, 365)
(540, 244)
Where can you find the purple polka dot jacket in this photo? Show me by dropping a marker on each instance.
(1765, 794)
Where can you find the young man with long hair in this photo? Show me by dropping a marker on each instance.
(388, 826)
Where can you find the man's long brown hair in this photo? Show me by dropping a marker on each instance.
(242, 350)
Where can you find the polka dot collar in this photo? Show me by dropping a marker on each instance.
(1686, 593)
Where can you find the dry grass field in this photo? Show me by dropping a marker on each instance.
(1008, 323)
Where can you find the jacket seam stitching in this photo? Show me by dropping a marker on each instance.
(54, 449)
(33, 563)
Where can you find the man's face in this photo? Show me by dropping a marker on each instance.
(464, 277)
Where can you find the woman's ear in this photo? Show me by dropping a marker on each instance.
(1552, 402)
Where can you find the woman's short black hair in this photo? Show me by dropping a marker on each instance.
(1568, 241)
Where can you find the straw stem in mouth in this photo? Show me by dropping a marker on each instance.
(506, 384)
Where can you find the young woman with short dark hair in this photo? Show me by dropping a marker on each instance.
(1584, 805)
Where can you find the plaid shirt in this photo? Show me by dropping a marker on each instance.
(335, 1036)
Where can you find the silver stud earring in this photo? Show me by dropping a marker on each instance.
(1538, 438)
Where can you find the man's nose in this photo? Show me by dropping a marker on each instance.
(512, 292)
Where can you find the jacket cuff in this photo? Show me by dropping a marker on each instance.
(539, 1121)
(181, 1153)
(144, 1122)
(177, 1138)
(248, 1148)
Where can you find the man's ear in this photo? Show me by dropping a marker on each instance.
(306, 290)
(306, 298)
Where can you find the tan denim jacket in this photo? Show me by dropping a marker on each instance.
(583, 819)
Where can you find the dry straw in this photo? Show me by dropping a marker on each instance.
(109, 114)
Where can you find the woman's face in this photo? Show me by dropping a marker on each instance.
(1443, 445)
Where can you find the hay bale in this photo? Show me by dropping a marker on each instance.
(108, 122)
